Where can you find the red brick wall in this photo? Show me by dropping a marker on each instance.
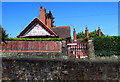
(49, 46)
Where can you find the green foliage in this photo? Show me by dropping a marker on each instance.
(81, 35)
(49, 15)
(107, 46)
(92, 34)
(3, 34)
(35, 39)
(84, 39)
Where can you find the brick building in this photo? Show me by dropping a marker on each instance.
(42, 28)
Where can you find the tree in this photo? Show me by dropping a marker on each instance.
(95, 34)
(91, 34)
(49, 15)
(3, 34)
(81, 35)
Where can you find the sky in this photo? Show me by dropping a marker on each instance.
(17, 15)
(59, 0)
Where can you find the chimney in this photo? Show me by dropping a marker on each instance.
(49, 22)
(43, 15)
(74, 34)
(99, 31)
(86, 32)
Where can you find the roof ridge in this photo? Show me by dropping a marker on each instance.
(60, 26)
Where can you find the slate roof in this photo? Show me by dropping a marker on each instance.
(62, 32)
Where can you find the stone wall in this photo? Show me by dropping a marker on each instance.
(21, 69)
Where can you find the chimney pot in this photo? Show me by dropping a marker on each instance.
(74, 35)
(41, 7)
(99, 31)
(86, 32)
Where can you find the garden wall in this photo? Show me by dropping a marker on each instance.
(32, 46)
(14, 69)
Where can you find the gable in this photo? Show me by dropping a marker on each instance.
(37, 28)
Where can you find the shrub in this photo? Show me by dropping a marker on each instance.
(107, 46)
(35, 39)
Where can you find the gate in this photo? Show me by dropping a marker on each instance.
(78, 49)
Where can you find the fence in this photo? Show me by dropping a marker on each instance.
(31, 46)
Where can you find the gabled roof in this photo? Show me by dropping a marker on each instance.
(36, 20)
(62, 31)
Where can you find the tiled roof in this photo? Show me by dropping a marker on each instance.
(62, 31)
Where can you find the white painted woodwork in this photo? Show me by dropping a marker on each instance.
(37, 30)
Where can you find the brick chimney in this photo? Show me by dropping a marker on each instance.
(43, 15)
(49, 22)
(74, 35)
(86, 32)
(99, 31)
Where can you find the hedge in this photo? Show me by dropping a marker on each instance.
(107, 46)
(34, 39)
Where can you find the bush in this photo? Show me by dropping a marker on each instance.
(85, 39)
(107, 46)
(35, 39)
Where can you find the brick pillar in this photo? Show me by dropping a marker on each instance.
(43, 15)
(86, 32)
(49, 22)
(74, 35)
(99, 31)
